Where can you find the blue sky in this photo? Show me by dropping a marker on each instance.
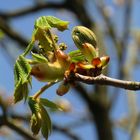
(24, 26)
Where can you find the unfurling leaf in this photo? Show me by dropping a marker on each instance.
(76, 56)
(42, 23)
(89, 51)
(36, 119)
(39, 58)
(104, 61)
(46, 126)
(40, 118)
(36, 123)
(50, 104)
(22, 77)
(57, 23)
(48, 22)
(29, 48)
(43, 38)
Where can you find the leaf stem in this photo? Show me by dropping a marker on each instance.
(53, 42)
(37, 94)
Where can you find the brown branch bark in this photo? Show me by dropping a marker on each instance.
(104, 80)
(11, 33)
(30, 10)
(99, 113)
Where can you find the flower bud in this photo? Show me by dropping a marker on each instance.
(89, 51)
(63, 89)
(104, 61)
(81, 35)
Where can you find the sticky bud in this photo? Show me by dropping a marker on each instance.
(63, 89)
(104, 61)
(81, 35)
(89, 51)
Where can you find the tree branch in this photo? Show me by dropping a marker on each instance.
(104, 80)
(11, 33)
(99, 113)
(29, 10)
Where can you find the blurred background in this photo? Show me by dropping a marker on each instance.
(91, 112)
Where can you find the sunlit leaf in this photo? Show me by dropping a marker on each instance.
(34, 105)
(35, 123)
(76, 56)
(50, 104)
(46, 123)
(36, 119)
(39, 58)
(21, 77)
(42, 23)
(57, 23)
(43, 37)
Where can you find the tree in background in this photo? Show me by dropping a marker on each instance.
(116, 37)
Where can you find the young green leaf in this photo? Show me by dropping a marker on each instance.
(47, 22)
(21, 77)
(36, 119)
(29, 48)
(57, 23)
(76, 56)
(39, 58)
(46, 126)
(42, 23)
(50, 104)
(18, 92)
(35, 123)
(43, 37)
(34, 105)
(25, 69)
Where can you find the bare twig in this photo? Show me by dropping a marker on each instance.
(29, 10)
(104, 80)
(37, 94)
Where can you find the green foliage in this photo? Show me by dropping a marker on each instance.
(22, 78)
(40, 118)
(76, 56)
(51, 64)
(46, 123)
(49, 104)
(47, 22)
(39, 58)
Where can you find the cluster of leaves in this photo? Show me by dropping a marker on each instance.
(51, 64)
(23, 69)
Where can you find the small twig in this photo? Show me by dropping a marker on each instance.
(37, 94)
(104, 80)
